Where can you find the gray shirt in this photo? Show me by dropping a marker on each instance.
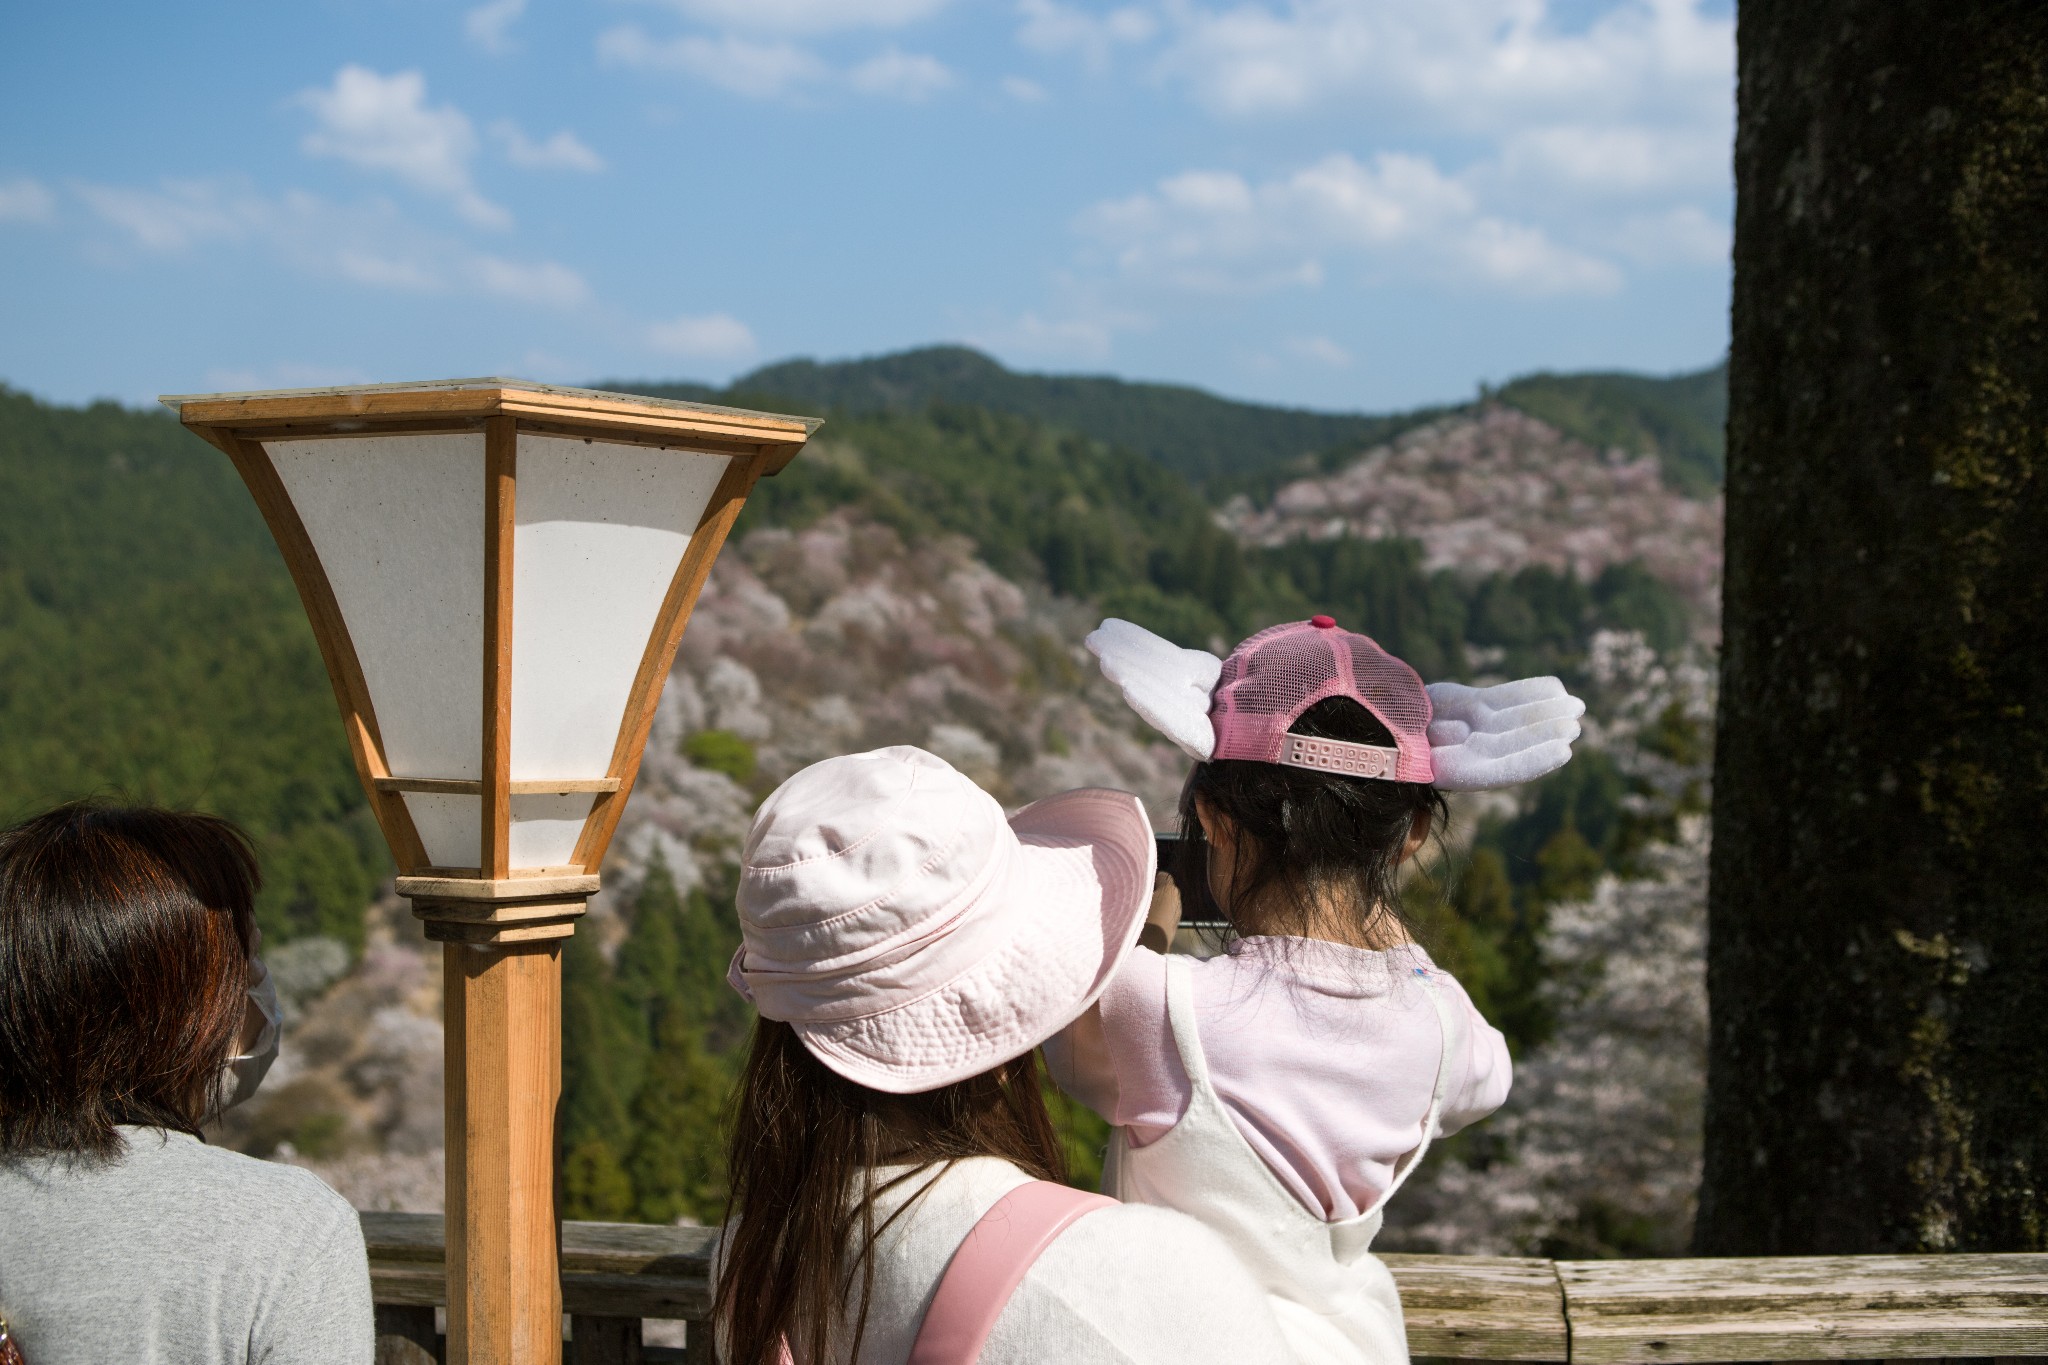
(183, 1254)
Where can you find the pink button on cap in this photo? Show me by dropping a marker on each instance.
(1323, 622)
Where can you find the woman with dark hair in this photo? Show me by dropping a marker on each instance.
(131, 1015)
(895, 1192)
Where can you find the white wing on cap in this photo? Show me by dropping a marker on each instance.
(1167, 685)
(1485, 737)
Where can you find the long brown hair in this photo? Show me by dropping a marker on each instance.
(800, 1224)
(124, 952)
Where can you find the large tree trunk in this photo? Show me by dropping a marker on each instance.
(1878, 1072)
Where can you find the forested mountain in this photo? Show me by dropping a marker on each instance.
(1223, 445)
(922, 575)
(1094, 522)
(1682, 419)
(151, 645)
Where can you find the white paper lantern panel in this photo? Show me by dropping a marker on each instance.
(451, 828)
(545, 828)
(600, 530)
(398, 525)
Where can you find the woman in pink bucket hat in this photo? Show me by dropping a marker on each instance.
(893, 1169)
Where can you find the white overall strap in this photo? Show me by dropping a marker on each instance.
(1180, 1016)
(1449, 1026)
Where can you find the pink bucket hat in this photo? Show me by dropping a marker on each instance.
(912, 936)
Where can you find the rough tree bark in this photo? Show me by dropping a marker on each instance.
(1878, 969)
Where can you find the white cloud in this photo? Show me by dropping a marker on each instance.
(741, 65)
(1023, 91)
(1051, 27)
(179, 216)
(1683, 236)
(713, 336)
(900, 75)
(1081, 328)
(1624, 158)
(26, 201)
(382, 123)
(1476, 63)
(366, 265)
(1068, 338)
(1215, 231)
(772, 68)
(543, 282)
(489, 24)
(1319, 350)
(370, 244)
(1575, 106)
(564, 151)
(807, 16)
(1523, 259)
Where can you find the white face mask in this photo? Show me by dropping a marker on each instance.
(248, 1068)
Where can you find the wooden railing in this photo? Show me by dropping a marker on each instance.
(1458, 1307)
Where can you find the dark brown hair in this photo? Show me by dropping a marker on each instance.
(1303, 832)
(805, 1145)
(124, 948)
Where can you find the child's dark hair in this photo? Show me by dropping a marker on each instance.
(1304, 833)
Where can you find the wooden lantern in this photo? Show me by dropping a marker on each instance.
(498, 574)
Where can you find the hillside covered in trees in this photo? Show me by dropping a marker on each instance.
(922, 575)
(151, 645)
(1223, 446)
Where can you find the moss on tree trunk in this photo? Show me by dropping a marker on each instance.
(1878, 1073)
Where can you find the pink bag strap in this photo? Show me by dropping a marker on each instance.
(990, 1264)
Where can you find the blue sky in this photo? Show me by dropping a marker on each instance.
(1337, 203)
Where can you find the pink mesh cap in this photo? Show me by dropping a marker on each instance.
(1270, 679)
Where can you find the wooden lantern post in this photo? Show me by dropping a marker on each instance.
(498, 574)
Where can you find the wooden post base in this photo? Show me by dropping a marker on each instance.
(503, 1006)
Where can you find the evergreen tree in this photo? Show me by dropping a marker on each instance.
(594, 1184)
(677, 1163)
(1476, 941)
(675, 1028)
(602, 1055)
(603, 1058)
(609, 1027)
(649, 966)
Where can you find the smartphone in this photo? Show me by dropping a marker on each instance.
(1186, 862)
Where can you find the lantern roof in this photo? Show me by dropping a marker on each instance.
(367, 408)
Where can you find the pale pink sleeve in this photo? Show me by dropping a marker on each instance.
(1119, 1058)
(1479, 1080)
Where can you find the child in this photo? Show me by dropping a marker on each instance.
(1283, 1091)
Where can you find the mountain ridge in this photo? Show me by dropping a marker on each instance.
(1228, 446)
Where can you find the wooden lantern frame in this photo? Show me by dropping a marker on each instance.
(501, 925)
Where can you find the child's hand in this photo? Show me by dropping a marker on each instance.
(1162, 920)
